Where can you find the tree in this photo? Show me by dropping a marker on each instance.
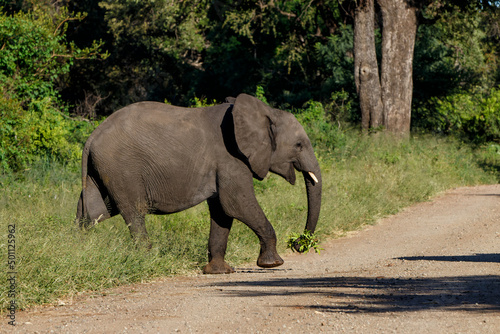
(155, 50)
(34, 57)
(177, 50)
(456, 72)
(385, 99)
(366, 73)
(273, 44)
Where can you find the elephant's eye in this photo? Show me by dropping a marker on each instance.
(298, 146)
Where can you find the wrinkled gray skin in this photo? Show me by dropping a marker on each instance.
(155, 158)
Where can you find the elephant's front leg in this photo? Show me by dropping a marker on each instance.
(238, 200)
(220, 225)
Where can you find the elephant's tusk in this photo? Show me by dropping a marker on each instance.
(315, 179)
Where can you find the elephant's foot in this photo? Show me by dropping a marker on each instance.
(218, 267)
(269, 260)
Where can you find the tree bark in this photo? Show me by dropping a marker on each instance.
(366, 73)
(385, 100)
(398, 42)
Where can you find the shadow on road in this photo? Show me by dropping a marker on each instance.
(486, 195)
(379, 294)
(494, 258)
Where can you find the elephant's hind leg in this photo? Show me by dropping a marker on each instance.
(92, 207)
(220, 225)
(136, 223)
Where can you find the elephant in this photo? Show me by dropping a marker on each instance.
(155, 158)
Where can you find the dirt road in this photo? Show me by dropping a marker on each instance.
(434, 268)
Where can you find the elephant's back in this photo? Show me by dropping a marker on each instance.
(143, 114)
(140, 132)
(141, 118)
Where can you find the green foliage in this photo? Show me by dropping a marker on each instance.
(302, 243)
(336, 61)
(202, 102)
(317, 121)
(454, 57)
(464, 35)
(295, 50)
(173, 26)
(27, 62)
(256, 21)
(156, 48)
(13, 136)
(34, 56)
(473, 116)
(259, 93)
(34, 53)
(340, 108)
(38, 132)
(274, 45)
(177, 50)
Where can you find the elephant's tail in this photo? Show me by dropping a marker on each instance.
(85, 162)
(82, 219)
(95, 204)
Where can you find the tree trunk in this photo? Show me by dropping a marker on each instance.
(366, 74)
(385, 100)
(398, 41)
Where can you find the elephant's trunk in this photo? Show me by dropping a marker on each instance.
(313, 188)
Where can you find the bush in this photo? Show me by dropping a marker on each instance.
(34, 123)
(471, 115)
(39, 131)
(13, 136)
(324, 125)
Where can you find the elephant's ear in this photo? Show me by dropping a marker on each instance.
(253, 131)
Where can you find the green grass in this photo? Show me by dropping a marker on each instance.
(364, 179)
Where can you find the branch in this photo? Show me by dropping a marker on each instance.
(64, 21)
(289, 15)
(271, 4)
(305, 9)
(61, 56)
(73, 56)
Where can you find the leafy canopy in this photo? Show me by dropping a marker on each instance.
(34, 56)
